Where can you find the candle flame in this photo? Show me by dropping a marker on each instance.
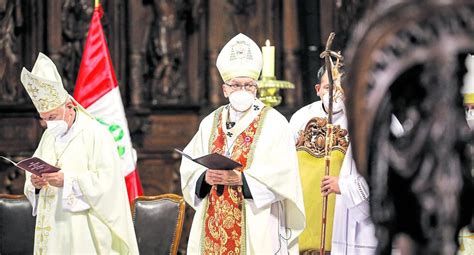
(267, 42)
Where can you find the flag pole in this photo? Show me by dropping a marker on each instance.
(97, 3)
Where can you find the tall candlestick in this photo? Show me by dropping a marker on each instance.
(268, 60)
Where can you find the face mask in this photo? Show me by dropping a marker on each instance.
(57, 127)
(470, 118)
(241, 100)
(337, 104)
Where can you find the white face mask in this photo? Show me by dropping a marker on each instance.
(337, 104)
(57, 127)
(241, 100)
(470, 118)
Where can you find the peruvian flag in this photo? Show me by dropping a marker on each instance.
(97, 90)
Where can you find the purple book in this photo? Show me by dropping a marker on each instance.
(34, 165)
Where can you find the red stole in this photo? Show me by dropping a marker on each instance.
(223, 229)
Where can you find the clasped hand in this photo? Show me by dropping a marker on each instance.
(223, 177)
(330, 184)
(53, 179)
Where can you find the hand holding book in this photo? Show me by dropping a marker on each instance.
(219, 169)
(38, 181)
(34, 165)
(218, 177)
(213, 161)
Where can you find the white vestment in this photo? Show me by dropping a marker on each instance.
(353, 231)
(90, 214)
(274, 217)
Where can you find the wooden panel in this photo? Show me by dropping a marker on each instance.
(159, 174)
(19, 134)
(167, 132)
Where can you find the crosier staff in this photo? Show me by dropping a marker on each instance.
(326, 54)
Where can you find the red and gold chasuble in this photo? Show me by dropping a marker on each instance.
(224, 221)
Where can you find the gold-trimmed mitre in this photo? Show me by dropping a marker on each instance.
(240, 57)
(468, 88)
(44, 84)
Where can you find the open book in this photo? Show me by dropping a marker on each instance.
(34, 165)
(213, 161)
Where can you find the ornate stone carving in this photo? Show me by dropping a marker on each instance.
(12, 179)
(242, 7)
(348, 13)
(11, 20)
(75, 19)
(166, 52)
(313, 138)
(420, 181)
(239, 12)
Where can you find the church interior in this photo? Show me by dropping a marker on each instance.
(401, 58)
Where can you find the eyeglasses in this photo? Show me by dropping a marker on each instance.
(247, 86)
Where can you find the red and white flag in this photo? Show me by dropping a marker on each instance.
(97, 90)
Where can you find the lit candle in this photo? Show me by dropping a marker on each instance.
(268, 60)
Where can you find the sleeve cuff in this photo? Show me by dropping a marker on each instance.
(32, 196)
(262, 196)
(245, 188)
(345, 192)
(73, 199)
(353, 199)
(202, 187)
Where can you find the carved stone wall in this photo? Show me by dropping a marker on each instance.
(11, 21)
(164, 54)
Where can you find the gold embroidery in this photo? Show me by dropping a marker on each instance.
(43, 225)
(225, 214)
(233, 194)
(44, 95)
(313, 138)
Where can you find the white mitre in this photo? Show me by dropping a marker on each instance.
(44, 85)
(240, 57)
(468, 88)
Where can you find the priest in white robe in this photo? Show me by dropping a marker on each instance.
(83, 208)
(352, 229)
(257, 208)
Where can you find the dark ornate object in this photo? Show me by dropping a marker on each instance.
(407, 58)
(242, 7)
(313, 138)
(166, 52)
(75, 19)
(11, 21)
(12, 180)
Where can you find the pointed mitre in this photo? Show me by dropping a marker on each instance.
(240, 57)
(44, 85)
(468, 88)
